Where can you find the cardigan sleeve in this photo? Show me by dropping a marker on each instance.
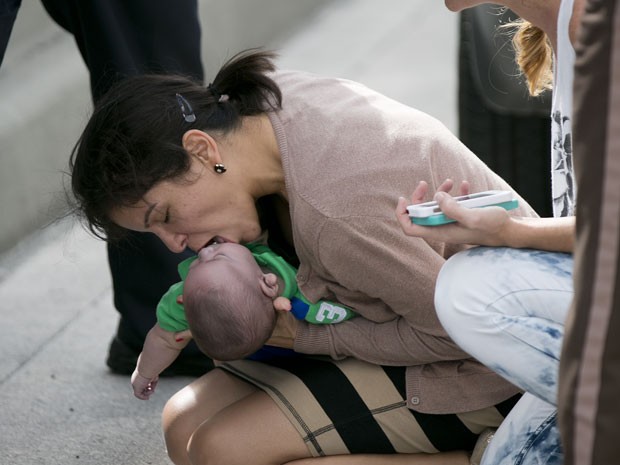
(389, 280)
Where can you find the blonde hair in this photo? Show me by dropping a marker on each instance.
(534, 55)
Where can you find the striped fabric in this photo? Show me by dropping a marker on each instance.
(590, 363)
(350, 407)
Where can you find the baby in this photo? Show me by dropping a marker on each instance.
(227, 299)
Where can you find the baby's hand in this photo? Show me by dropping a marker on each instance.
(282, 304)
(143, 387)
(283, 334)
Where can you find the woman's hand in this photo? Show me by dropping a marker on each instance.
(481, 226)
(283, 334)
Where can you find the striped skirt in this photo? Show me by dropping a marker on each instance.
(353, 407)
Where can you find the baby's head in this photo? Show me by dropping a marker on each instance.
(228, 302)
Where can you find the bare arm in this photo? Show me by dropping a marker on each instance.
(492, 226)
(160, 349)
(552, 234)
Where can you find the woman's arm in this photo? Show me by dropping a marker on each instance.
(389, 280)
(491, 226)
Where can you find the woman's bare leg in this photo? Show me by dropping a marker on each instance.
(442, 458)
(220, 419)
(196, 403)
(254, 430)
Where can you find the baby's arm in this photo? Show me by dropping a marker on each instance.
(160, 349)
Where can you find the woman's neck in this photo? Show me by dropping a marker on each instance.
(544, 14)
(257, 149)
(541, 13)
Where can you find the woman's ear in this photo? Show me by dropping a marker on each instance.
(202, 146)
(269, 285)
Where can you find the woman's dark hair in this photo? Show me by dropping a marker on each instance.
(133, 140)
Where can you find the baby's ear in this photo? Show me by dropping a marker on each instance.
(269, 285)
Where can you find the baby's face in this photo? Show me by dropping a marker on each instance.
(218, 264)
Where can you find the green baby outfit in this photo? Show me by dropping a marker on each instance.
(171, 314)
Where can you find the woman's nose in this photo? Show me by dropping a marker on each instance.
(174, 241)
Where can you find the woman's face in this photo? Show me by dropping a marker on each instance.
(202, 208)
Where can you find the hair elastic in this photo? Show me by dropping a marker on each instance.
(219, 98)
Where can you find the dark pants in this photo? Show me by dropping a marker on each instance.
(498, 121)
(8, 13)
(119, 38)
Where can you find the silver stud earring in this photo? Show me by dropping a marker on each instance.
(219, 168)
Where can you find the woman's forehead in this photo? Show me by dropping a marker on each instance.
(134, 217)
(141, 214)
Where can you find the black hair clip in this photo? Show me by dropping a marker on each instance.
(186, 109)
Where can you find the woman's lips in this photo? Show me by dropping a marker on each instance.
(215, 240)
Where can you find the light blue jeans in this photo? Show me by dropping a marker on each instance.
(506, 307)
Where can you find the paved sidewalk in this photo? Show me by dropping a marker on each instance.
(58, 402)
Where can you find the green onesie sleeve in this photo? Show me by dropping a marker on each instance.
(170, 314)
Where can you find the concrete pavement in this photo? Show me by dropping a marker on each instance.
(58, 402)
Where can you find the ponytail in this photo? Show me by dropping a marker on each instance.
(534, 55)
(243, 79)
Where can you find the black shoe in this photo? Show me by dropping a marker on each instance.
(122, 360)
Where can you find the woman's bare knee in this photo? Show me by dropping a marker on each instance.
(191, 406)
(253, 430)
(179, 422)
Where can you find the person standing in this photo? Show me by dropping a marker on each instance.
(589, 369)
(117, 39)
(506, 304)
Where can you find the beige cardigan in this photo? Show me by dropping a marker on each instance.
(348, 153)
